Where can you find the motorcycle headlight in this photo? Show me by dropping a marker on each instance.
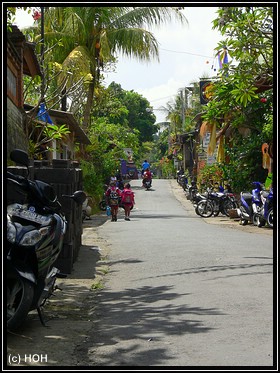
(32, 237)
(11, 232)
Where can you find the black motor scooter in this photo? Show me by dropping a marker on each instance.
(35, 232)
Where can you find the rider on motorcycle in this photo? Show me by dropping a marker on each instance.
(147, 176)
(145, 166)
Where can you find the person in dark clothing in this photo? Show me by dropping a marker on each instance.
(119, 180)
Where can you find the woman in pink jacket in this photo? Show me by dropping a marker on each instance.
(127, 200)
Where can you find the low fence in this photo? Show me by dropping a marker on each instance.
(65, 177)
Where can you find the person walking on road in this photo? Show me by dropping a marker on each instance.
(113, 194)
(127, 200)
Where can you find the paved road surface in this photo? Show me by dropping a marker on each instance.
(181, 291)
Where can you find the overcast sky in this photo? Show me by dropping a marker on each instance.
(186, 55)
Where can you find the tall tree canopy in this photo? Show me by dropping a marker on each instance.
(90, 38)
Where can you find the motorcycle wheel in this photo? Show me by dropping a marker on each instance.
(228, 205)
(204, 209)
(242, 220)
(216, 213)
(260, 222)
(19, 300)
(270, 218)
(216, 208)
(255, 219)
(102, 205)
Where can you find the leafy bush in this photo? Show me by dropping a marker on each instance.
(93, 184)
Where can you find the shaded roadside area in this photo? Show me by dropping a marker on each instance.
(69, 314)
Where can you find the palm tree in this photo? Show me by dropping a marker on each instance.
(174, 114)
(92, 37)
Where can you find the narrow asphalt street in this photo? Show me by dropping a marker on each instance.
(167, 288)
(182, 292)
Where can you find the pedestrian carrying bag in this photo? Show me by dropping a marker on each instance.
(114, 198)
(127, 196)
(108, 210)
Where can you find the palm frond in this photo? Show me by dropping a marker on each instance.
(134, 42)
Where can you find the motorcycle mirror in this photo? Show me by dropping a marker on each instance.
(20, 157)
(79, 196)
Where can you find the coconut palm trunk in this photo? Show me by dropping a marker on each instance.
(89, 101)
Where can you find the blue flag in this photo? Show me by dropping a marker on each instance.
(43, 115)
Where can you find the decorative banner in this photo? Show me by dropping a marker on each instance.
(205, 91)
(222, 58)
(212, 143)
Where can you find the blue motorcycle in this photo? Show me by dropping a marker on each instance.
(265, 214)
(250, 205)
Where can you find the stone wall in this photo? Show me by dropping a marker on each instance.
(16, 137)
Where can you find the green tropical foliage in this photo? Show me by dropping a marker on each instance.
(81, 42)
(248, 37)
(138, 114)
(242, 103)
(88, 39)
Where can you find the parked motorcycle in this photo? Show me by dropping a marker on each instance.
(182, 181)
(103, 205)
(214, 203)
(192, 191)
(265, 214)
(35, 232)
(250, 205)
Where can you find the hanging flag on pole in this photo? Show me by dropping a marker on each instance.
(222, 58)
(225, 56)
(220, 61)
(43, 115)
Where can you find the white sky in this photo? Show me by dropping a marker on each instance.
(186, 55)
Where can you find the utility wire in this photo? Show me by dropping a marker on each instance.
(193, 54)
(157, 99)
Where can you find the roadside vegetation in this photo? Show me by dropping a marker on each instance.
(80, 43)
